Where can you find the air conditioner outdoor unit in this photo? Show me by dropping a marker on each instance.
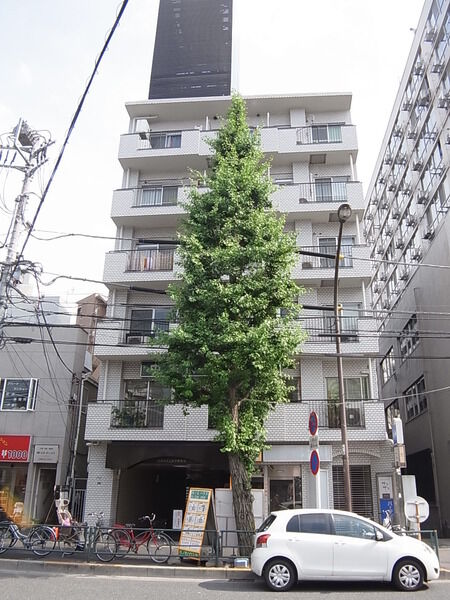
(382, 180)
(412, 134)
(400, 159)
(376, 288)
(430, 34)
(397, 132)
(144, 135)
(407, 105)
(389, 230)
(444, 101)
(411, 220)
(354, 417)
(383, 276)
(416, 253)
(406, 190)
(388, 159)
(404, 274)
(395, 214)
(386, 304)
(369, 217)
(135, 339)
(437, 67)
(380, 250)
(384, 204)
(429, 233)
(417, 166)
(422, 198)
(399, 244)
(302, 200)
(392, 187)
(424, 100)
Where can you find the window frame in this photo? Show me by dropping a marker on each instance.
(31, 396)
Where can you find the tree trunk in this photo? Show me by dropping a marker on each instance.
(243, 504)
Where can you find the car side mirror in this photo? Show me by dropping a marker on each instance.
(378, 535)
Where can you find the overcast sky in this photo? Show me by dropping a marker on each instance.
(285, 46)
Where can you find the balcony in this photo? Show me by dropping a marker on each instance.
(136, 414)
(189, 148)
(148, 268)
(315, 270)
(358, 335)
(162, 204)
(329, 417)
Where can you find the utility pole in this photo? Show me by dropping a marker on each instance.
(32, 148)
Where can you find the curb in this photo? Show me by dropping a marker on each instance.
(234, 573)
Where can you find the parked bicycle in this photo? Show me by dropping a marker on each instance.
(387, 522)
(129, 538)
(41, 539)
(104, 543)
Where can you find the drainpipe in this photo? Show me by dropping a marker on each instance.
(77, 437)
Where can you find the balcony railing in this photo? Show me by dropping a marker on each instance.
(151, 260)
(135, 414)
(318, 262)
(323, 191)
(329, 417)
(323, 329)
(145, 336)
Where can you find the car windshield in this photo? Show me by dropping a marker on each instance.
(266, 523)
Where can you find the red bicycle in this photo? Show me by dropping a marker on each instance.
(129, 538)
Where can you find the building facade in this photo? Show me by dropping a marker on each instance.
(142, 456)
(44, 389)
(407, 227)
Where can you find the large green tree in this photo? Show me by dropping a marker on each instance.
(232, 345)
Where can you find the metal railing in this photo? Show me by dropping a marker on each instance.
(319, 134)
(328, 413)
(318, 262)
(151, 260)
(137, 414)
(323, 329)
(323, 191)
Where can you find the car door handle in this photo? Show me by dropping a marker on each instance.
(340, 543)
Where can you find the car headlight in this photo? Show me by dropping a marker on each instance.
(427, 548)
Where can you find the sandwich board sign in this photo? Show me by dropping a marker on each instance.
(195, 521)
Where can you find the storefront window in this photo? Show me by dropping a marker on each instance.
(285, 493)
(18, 394)
(13, 479)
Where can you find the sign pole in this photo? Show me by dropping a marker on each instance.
(314, 461)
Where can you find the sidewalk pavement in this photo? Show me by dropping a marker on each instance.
(129, 567)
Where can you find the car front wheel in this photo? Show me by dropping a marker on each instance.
(408, 575)
(279, 575)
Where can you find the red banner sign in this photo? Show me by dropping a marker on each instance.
(15, 448)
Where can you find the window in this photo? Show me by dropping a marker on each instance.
(285, 493)
(18, 394)
(315, 523)
(165, 139)
(392, 411)
(145, 323)
(331, 189)
(140, 407)
(415, 399)
(409, 337)
(329, 245)
(356, 389)
(295, 395)
(326, 133)
(158, 195)
(352, 527)
(387, 365)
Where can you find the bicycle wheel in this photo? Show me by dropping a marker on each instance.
(42, 541)
(6, 538)
(105, 546)
(123, 541)
(159, 548)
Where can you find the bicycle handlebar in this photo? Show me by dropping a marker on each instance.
(150, 518)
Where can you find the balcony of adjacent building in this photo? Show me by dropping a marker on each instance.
(355, 264)
(148, 265)
(328, 143)
(313, 199)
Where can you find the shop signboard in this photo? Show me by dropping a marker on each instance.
(194, 522)
(44, 453)
(15, 448)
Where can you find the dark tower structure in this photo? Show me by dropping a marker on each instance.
(192, 56)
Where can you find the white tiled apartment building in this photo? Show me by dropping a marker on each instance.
(407, 226)
(143, 457)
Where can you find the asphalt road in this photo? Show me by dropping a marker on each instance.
(32, 586)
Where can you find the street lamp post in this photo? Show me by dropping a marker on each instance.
(344, 213)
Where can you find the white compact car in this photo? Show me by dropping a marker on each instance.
(313, 544)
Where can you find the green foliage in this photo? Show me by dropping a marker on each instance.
(231, 346)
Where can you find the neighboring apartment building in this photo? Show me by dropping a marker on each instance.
(143, 456)
(90, 310)
(407, 226)
(43, 387)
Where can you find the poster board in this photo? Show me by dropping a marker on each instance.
(198, 505)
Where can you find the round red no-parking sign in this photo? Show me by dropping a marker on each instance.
(313, 423)
(314, 462)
